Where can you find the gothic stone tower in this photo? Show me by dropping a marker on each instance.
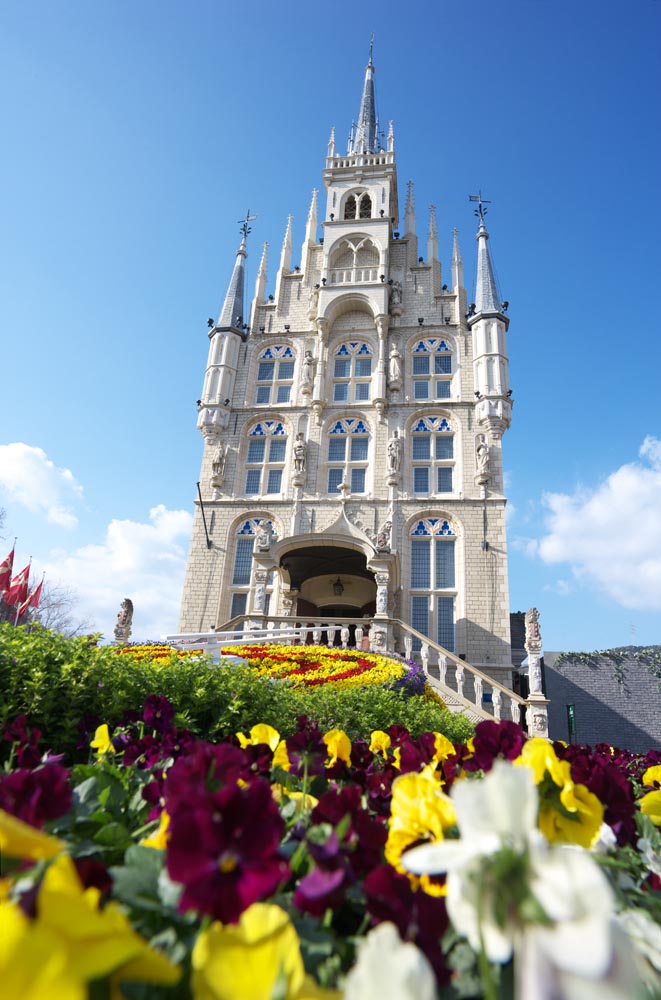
(352, 426)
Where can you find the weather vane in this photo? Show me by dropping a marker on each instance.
(245, 228)
(480, 211)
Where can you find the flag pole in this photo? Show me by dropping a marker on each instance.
(27, 580)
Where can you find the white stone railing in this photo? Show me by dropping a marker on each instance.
(359, 160)
(353, 275)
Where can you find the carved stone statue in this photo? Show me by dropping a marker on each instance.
(396, 294)
(395, 365)
(307, 375)
(124, 621)
(482, 457)
(383, 537)
(313, 303)
(218, 464)
(394, 452)
(264, 539)
(300, 453)
(533, 647)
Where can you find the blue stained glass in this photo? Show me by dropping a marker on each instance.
(359, 449)
(442, 364)
(257, 431)
(279, 430)
(256, 450)
(444, 564)
(445, 529)
(334, 479)
(362, 391)
(421, 390)
(443, 389)
(444, 447)
(337, 449)
(263, 394)
(268, 353)
(265, 371)
(420, 347)
(420, 426)
(358, 427)
(420, 563)
(286, 370)
(338, 428)
(442, 346)
(341, 392)
(242, 562)
(421, 365)
(357, 480)
(421, 479)
(353, 344)
(343, 349)
(246, 529)
(364, 349)
(445, 624)
(363, 367)
(421, 529)
(252, 482)
(419, 617)
(239, 602)
(288, 353)
(444, 480)
(342, 368)
(284, 392)
(277, 451)
(444, 426)
(274, 483)
(421, 450)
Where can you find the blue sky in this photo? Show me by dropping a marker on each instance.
(135, 135)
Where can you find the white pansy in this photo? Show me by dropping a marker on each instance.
(389, 969)
(644, 933)
(650, 856)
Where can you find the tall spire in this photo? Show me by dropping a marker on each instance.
(311, 226)
(457, 263)
(262, 276)
(409, 212)
(231, 315)
(366, 140)
(432, 236)
(285, 259)
(486, 293)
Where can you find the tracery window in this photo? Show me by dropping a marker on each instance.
(348, 453)
(433, 580)
(242, 571)
(265, 458)
(355, 260)
(431, 369)
(352, 372)
(432, 456)
(350, 208)
(365, 207)
(275, 375)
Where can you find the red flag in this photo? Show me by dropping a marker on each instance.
(6, 567)
(32, 601)
(18, 588)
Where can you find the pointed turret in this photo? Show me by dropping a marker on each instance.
(409, 211)
(457, 263)
(432, 236)
(231, 315)
(285, 259)
(390, 142)
(331, 142)
(486, 293)
(262, 275)
(366, 137)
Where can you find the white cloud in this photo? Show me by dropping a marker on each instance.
(561, 587)
(30, 478)
(142, 561)
(611, 534)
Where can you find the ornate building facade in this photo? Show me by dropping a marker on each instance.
(352, 426)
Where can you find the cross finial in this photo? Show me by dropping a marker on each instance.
(245, 228)
(480, 211)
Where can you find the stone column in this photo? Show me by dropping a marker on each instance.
(537, 710)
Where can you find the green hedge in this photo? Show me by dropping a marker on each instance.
(57, 682)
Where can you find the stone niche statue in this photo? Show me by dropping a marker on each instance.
(124, 621)
(307, 375)
(482, 457)
(264, 538)
(396, 298)
(395, 365)
(313, 302)
(218, 465)
(383, 541)
(300, 453)
(533, 647)
(394, 452)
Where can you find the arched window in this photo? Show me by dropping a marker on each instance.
(275, 375)
(432, 456)
(365, 210)
(265, 458)
(242, 570)
(352, 373)
(433, 580)
(431, 369)
(348, 452)
(350, 208)
(355, 260)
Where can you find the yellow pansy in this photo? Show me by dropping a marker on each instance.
(33, 965)
(538, 754)
(261, 733)
(650, 804)
(306, 800)
(20, 840)
(652, 776)
(419, 812)
(251, 959)
(281, 757)
(380, 743)
(101, 742)
(338, 745)
(97, 942)
(159, 838)
(443, 748)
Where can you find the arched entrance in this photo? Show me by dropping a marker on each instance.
(330, 581)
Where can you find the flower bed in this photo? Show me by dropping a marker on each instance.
(155, 651)
(311, 866)
(311, 666)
